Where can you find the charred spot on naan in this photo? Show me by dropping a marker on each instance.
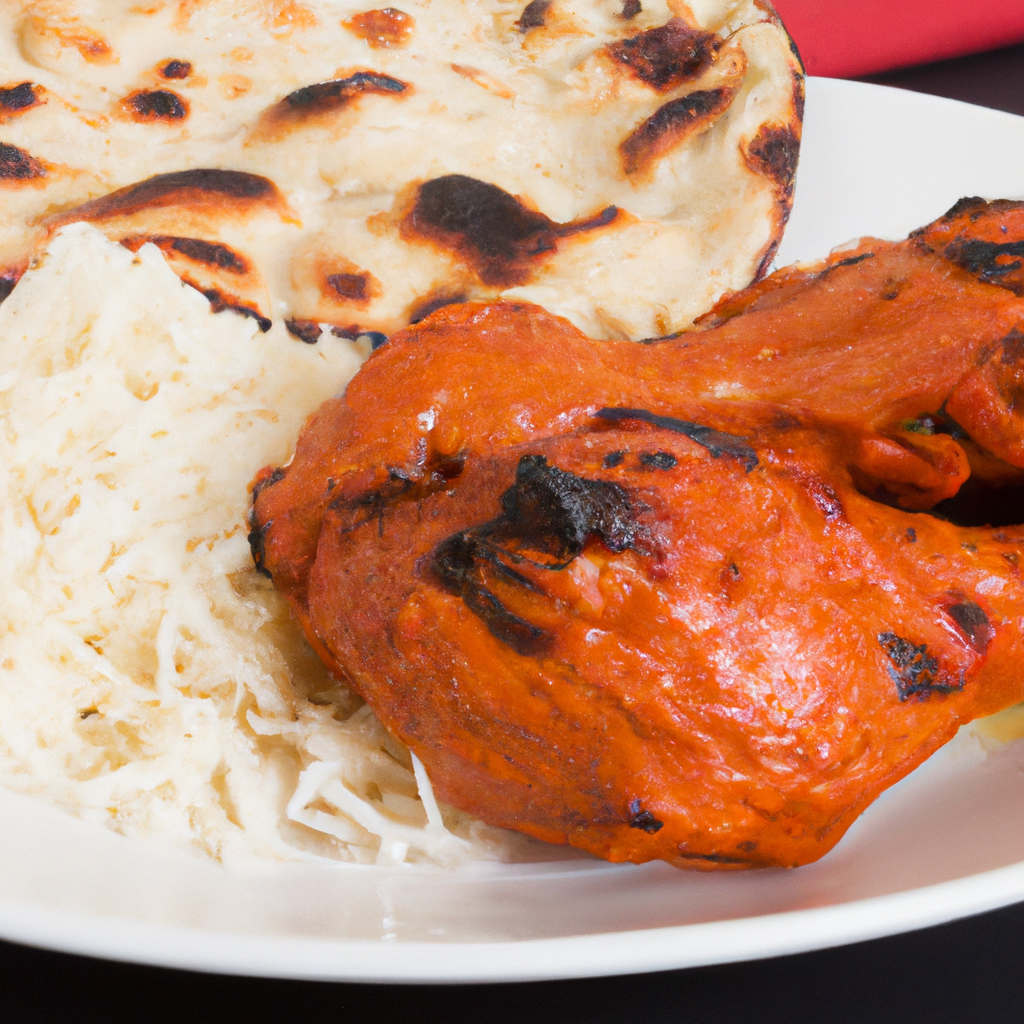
(166, 208)
(544, 24)
(323, 101)
(671, 125)
(432, 303)
(155, 106)
(381, 29)
(309, 331)
(176, 69)
(490, 230)
(534, 15)
(226, 193)
(219, 301)
(331, 288)
(197, 250)
(773, 153)
(666, 57)
(9, 277)
(17, 99)
(352, 285)
(18, 167)
(224, 276)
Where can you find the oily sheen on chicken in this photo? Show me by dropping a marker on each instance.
(701, 599)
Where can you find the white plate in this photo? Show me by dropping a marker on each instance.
(946, 842)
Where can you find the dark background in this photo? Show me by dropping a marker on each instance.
(965, 972)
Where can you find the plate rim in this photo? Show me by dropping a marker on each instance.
(604, 954)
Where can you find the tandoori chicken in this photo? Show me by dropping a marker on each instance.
(701, 599)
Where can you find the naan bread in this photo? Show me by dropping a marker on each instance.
(621, 162)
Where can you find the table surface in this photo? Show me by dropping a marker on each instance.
(961, 972)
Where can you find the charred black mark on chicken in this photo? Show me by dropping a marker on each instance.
(974, 624)
(914, 671)
(712, 858)
(990, 262)
(849, 261)
(643, 820)
(967, 204)
(715, 441)
(256, 537)
(7, 283)
(825, 499)
(274, 477)
(547, 517)
(658, 460)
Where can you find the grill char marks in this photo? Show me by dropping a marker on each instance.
(312, 103)
(665, 57)
(914, 671)
(223, 190)
(212, 254)
(176, 69)
(642, 819)
(354, 287)
(534, 15)
(670, 126)
(340, 92)
(992, 262)
(156, 105)
(305, 330)
(17, 166)
(809, 406)
(7, 283)
(16, 99)
(773, 153)
(223, 276)
(382, 29)
(220, 302)
(973, 622)
(715, 441)
(982, 239)
(491, 230)
(432, 304)
(547, 517)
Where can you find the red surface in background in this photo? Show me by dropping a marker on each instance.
(843, 38)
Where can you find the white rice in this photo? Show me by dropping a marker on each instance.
(149, 679)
